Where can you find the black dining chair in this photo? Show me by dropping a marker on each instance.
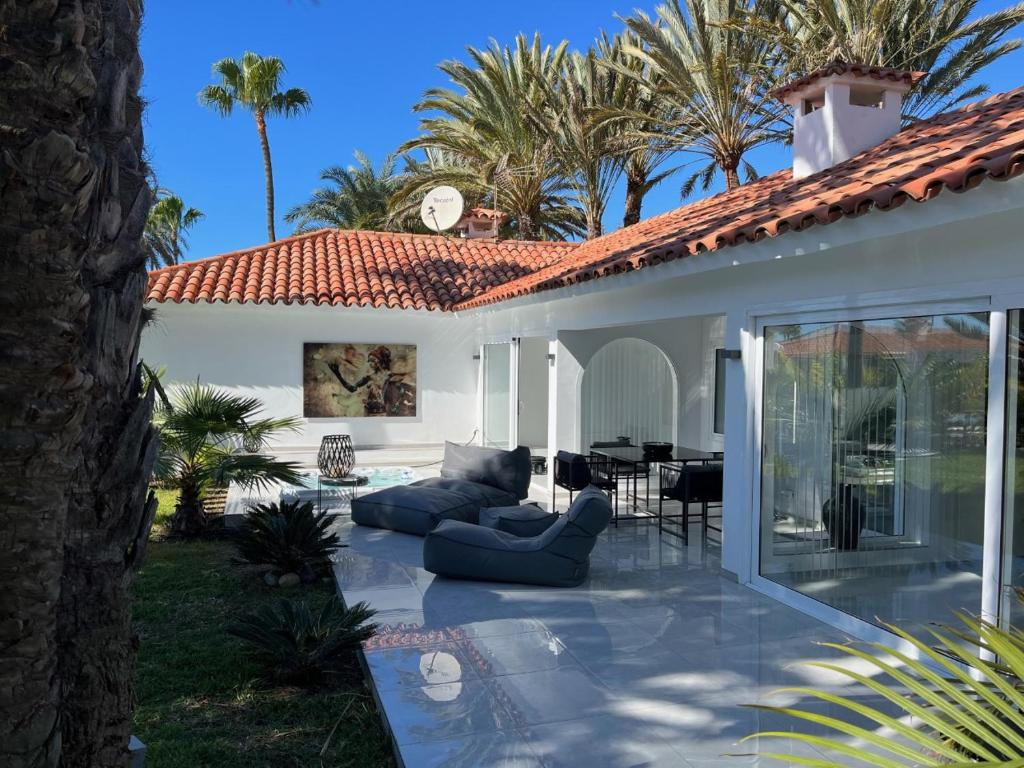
(690, 484)
(574, 472)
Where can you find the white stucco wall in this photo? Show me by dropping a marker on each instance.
(257, 350)
(686, 342)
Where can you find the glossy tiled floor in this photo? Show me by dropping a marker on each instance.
(646, 664)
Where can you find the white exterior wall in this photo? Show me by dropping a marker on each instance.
(257, 350)
(687, 343)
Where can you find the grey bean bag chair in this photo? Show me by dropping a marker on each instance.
(557, 557)
(409, 509)
(471, 478)
(508, 471)
(484, 495)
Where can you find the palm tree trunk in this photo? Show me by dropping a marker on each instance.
(594, 228)
(527, 226)
(189, 513)
(732, 177)
(634, 200)
(78, 444)
(175, 254)
(268, 169)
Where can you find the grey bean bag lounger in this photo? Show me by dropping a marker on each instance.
(409, 509)
(471, 478)
(557, 557)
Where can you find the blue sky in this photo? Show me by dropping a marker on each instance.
(365, 64)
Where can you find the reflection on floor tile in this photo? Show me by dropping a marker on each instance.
(552, 695)
(515, 654)
(442, 711)
(504, 749)
(414, 666)
(648, 663)
(600, 741)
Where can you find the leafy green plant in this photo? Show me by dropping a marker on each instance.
(209, 437)
(969, 706)
(288, 535)
(167, 227)
(298, 645)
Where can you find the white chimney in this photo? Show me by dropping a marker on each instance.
(841, 110)
(480, 222)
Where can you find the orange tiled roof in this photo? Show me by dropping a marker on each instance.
(485, 213)
(842, 68)
(956, 150)
(355, 268)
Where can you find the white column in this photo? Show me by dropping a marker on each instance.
(995, 443)
(739, 520)
(563, 404)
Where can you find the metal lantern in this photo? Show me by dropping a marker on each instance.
(337, 456)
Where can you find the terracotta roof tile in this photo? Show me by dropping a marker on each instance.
(842, 68)
(350, 268)
(956, 150)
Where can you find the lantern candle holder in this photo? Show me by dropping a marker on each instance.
(337, 457)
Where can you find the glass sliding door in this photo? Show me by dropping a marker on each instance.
(873, 464)
(1012, 612)
(499, 379)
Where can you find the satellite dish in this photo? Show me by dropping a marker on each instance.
(441, 209)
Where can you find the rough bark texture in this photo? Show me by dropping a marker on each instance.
(634, 201)
(526, 226)
(268, 169)
(76, 443)
(732, 177)
(190, 513)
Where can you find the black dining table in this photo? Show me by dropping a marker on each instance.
(637, 463)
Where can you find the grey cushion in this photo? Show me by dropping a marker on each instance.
(507, 470)
(413, 509)
(483, 495)
(519, 520)
(558, 557)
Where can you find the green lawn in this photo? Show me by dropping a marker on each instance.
(197, 700)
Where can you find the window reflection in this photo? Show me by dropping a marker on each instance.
(873, 466)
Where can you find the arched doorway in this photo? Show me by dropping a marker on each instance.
(629, 390)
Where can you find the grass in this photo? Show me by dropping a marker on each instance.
(197, 700)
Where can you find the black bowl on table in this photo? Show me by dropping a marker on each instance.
(655, 450)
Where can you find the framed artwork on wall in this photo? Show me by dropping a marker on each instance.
(352, 380)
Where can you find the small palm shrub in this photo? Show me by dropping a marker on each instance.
(298, 645)
(210, 438)
(969, 706)
(288, 535)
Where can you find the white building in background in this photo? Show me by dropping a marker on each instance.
(848, 327)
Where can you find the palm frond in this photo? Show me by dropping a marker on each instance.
(947, 703)
(484, 132)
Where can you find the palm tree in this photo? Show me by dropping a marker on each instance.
(582, 145)
(77, 433)
(167, 225)
(210, 437)
(715, 78)
(633, 104)
(933, 36)
(254, 83)
(358, 200)
(488, 142)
